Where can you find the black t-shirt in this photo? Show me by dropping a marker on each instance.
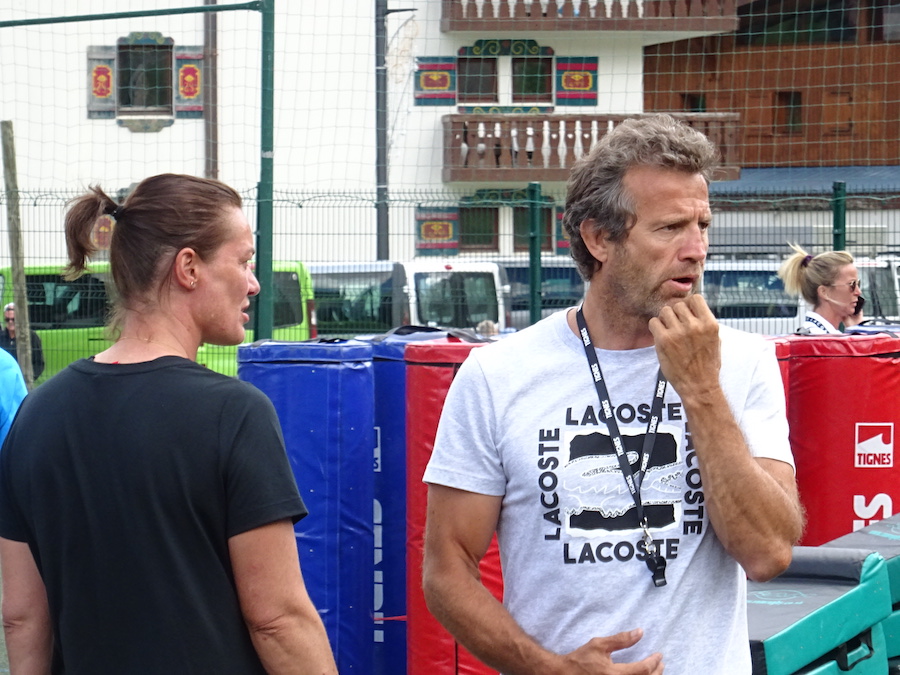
(127, 482)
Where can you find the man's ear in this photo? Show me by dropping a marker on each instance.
(595, 239)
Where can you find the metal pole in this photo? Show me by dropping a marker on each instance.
(17, 252)
(129, 15)
(382, 217)
(382, 227)
(534, 252)
(211, 91)
(264, 317)
(839, 212)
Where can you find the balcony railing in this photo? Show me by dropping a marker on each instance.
(488, 148)
(705, 16)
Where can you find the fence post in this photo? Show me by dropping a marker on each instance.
(534, 252)
(17, 252)
(839, 215)
(264, 318)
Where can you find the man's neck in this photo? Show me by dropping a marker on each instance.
(610, 327)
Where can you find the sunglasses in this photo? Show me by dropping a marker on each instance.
(856, 283)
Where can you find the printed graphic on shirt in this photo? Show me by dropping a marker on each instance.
(586, 504)
(598, 498)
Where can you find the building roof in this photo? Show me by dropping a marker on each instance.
(805, 180)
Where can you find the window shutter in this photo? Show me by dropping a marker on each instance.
(101, 82)
(435, 80)
(562, 239)
(576, 80)
(758, 115)
(437, 231)
(837, 112)
(188, 81)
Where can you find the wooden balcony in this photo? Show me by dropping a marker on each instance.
(492, 16)
(486, 148)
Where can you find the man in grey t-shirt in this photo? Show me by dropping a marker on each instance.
(632, 458)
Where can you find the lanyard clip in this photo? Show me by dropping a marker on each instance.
(649, 546)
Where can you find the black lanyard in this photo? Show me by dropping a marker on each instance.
(813, 320)
(655, 562)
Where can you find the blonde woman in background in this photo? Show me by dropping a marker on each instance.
(830, 283)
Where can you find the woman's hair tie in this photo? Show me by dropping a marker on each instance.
(806, 261)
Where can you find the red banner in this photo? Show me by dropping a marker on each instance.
(577, 81)
(437, 230)
(189, 81)
(101, 81)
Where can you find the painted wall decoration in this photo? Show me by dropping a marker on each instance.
(188, 89)
(437, 231)
(576, 80)
(510, 109)
(101, 83)
(505, 47)
(103, 87)
(435, 80)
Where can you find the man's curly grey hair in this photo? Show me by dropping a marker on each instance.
(596, 191)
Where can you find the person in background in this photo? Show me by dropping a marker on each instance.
(487, 328)
(631, 455)
(146, 502)
(829, 282)
(8, 341)
(12, 391)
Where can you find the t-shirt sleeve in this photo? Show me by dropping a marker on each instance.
(466, 454)
(12, 392)
(261, 488)
(12, 523)
(764, 418)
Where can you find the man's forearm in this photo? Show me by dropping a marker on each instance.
(481, 624)
(755, 512)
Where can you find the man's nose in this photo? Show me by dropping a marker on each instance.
(695, 243)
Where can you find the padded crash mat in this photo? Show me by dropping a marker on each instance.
(882, 536)
(864, 655)
(829, 599)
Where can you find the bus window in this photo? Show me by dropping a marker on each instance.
(54, 302)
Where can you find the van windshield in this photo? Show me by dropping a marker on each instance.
(743, 294)
(353, 302)
(288, 301)
(455, 299)
(560, 287)
(878, 290)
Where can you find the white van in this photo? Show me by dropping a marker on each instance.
(353, 298)
(749, 295)
(880, 288)
(561, 286)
